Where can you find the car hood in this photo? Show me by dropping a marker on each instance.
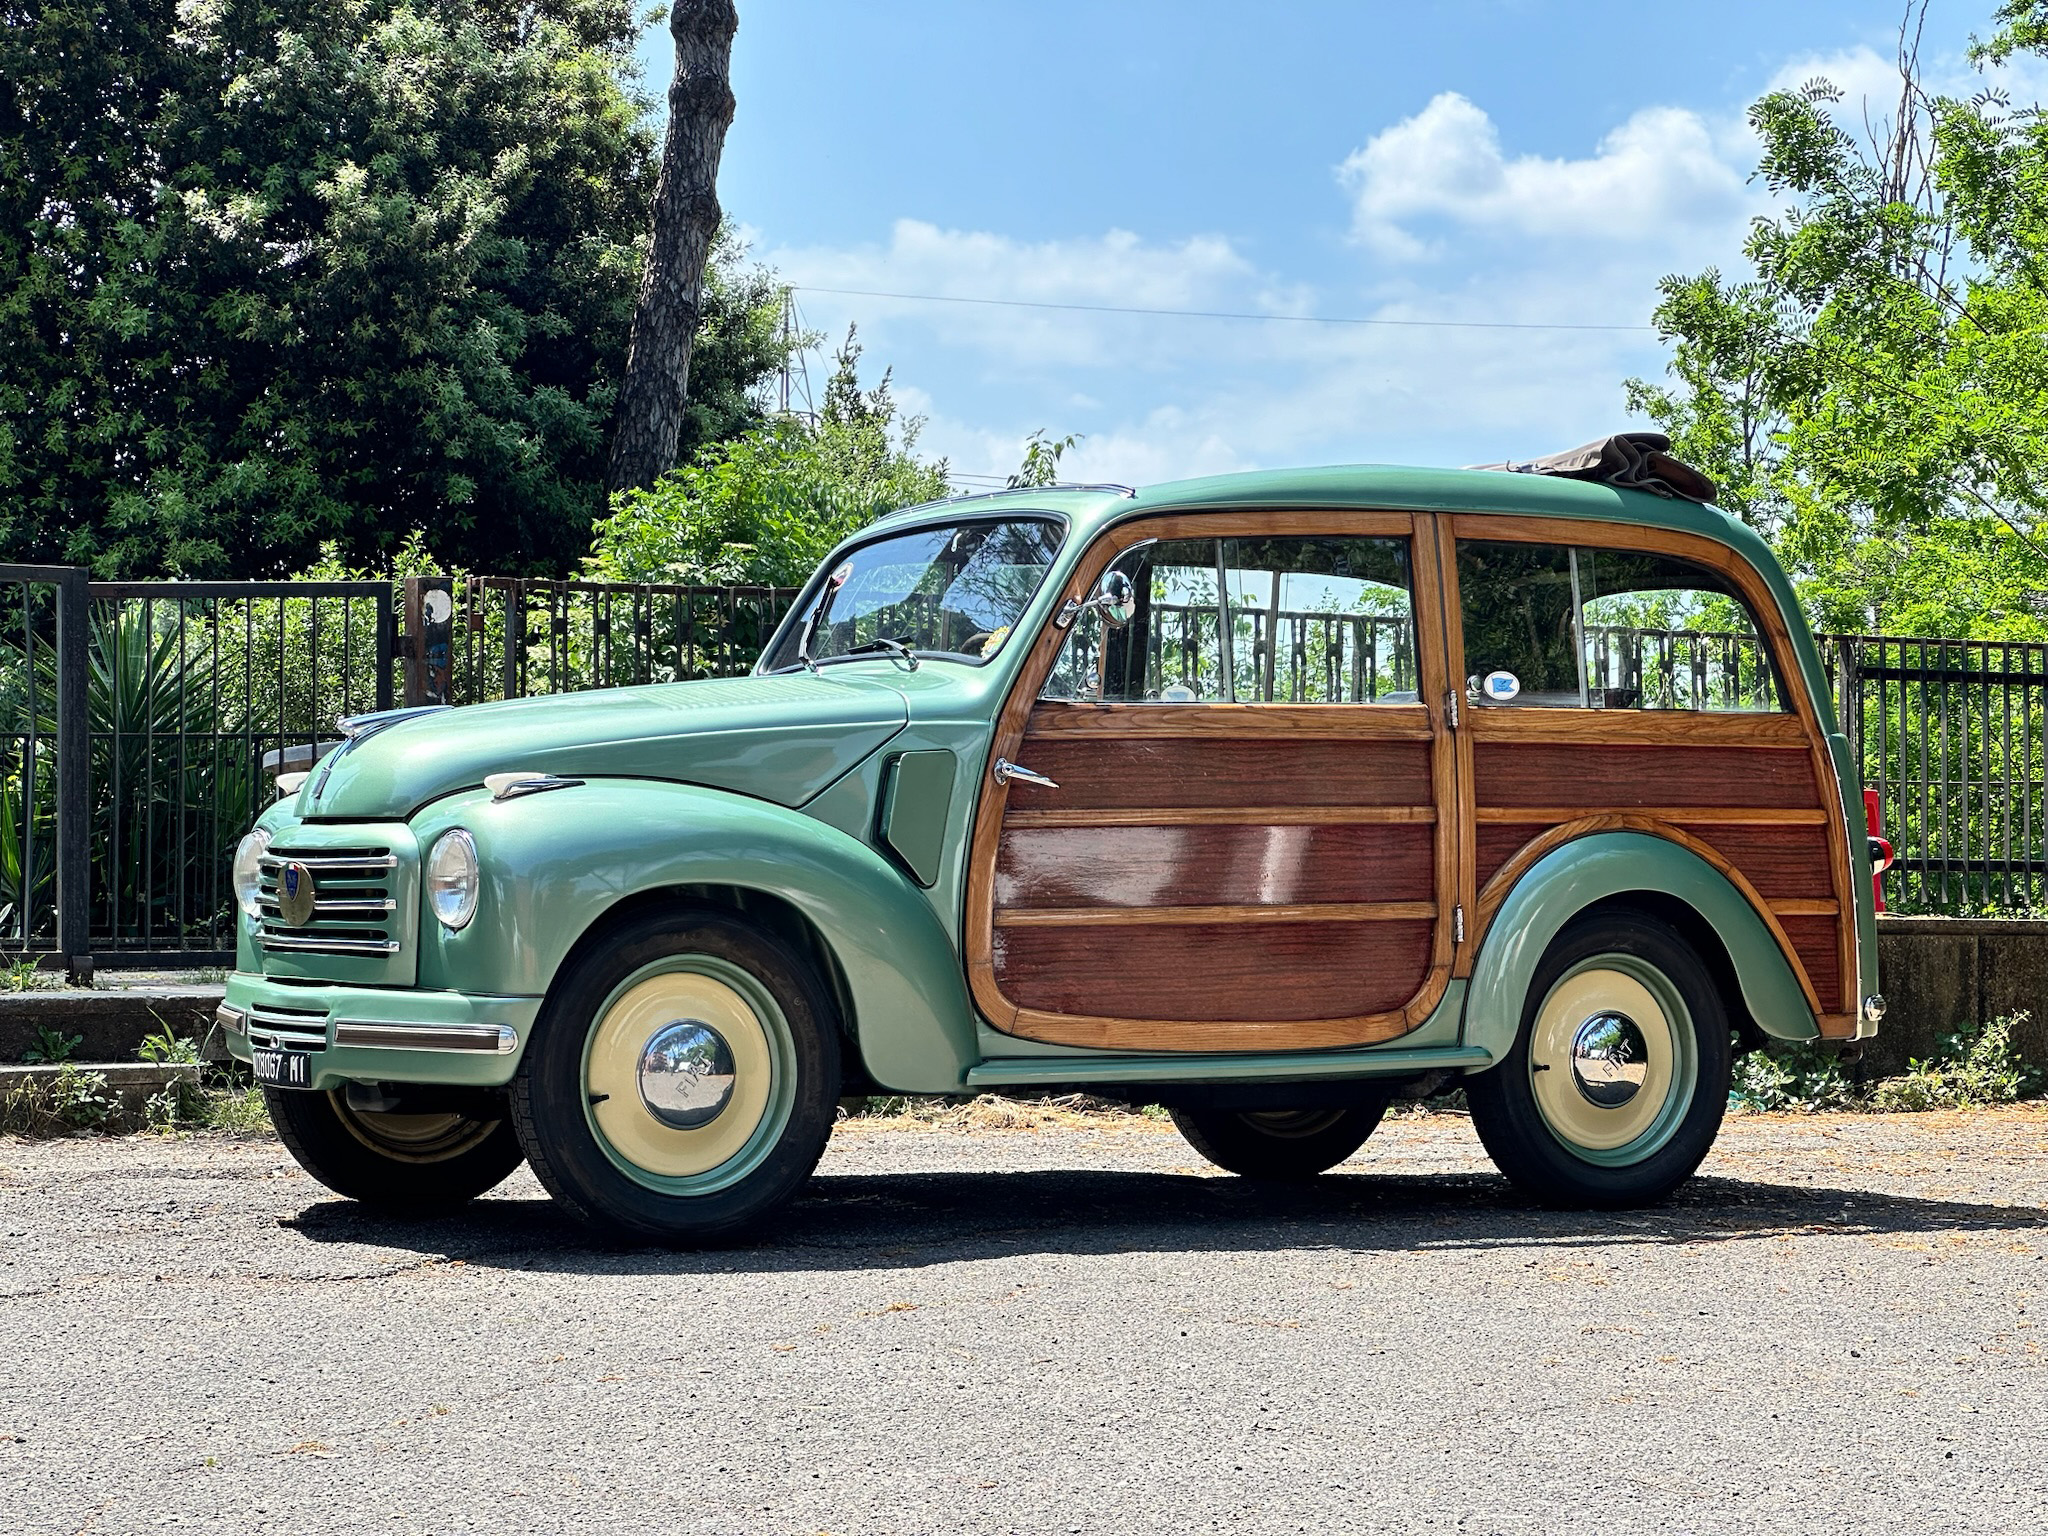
(781, 738)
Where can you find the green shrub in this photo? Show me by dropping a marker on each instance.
(51, 1046)
(1975, 1067)
(1791, 1076)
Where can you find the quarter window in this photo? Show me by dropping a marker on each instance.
(1252, 621)
(1556, 626)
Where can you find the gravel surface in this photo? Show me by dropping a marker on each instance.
(1069, 1329)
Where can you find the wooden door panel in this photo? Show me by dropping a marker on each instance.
(1213, 865)
(1218, 876)
(1279, 972)
(1172, 773)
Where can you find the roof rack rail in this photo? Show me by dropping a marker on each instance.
(1013, 490)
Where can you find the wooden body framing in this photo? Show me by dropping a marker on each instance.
(1215, 877)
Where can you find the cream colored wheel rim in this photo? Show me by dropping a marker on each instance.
(1575, 1118)
(613, 1073)
(413, 1138)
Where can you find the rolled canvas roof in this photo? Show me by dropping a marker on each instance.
(1636, 461)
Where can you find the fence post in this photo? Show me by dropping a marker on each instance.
(74, 779)
(429, 640)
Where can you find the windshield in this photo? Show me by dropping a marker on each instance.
(954, 591)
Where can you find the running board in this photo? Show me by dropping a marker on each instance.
(1023, 1071)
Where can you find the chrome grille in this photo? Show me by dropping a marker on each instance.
(288, 1029)
(354, 902)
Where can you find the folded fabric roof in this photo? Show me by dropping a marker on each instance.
(1636, 461)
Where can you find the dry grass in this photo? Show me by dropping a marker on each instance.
(992, 1112)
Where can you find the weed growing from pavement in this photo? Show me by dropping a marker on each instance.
(70, 1101)
(51, 1046)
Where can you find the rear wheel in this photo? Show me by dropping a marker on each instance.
(682, 1080)
(1283, 1144)
(1615, 1088)
(399, 1162)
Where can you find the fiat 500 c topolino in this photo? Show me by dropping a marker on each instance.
(1264, 798)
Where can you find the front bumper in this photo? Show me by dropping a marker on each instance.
(381, 1035)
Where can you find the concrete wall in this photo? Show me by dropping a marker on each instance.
(1939, 974)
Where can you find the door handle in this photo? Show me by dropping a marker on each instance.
(1006, 770)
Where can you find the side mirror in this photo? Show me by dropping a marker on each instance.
(1115, 598)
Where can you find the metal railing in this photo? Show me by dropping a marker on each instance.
(1950, 734)
(142, 724)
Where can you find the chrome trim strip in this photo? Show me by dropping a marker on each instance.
(362, 904)
(316, 861)
(327, 946)
(498, 1039)
(230, 1018)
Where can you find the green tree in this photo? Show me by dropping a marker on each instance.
(273, 276)
(1872, 398)
(767, 506)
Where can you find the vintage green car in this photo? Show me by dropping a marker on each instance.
(1266, 798)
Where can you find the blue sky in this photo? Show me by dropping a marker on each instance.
(1481, 161)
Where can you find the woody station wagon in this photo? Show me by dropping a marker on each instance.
(1265, 797)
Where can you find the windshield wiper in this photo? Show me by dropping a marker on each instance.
(887, 643)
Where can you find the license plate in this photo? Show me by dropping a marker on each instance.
(282, 1069)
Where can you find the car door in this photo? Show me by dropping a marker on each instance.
(1640, 679)
(1247, 840)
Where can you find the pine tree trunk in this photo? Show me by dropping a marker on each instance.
(649, 423)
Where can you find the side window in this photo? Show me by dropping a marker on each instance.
(1300, 620)
(1549, 626)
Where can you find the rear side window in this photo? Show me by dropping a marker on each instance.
(1565, 627)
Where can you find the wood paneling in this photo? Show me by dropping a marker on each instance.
(1812, 714)
(1210, 864)
(1814, 939)
(1634, 778)
(1495, 845)
(1296, 722)
(1205, 971)
(1114, 773)
(1782, 862)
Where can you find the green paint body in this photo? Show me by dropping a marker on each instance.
(849, 796)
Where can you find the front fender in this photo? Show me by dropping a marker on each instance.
(1567, 880)
(553, 864)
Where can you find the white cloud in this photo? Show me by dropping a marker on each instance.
(1657, 177)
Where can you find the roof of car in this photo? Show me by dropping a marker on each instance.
(1358, 485)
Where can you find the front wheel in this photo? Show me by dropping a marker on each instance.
(416, 1163)
(682, 1080)
(1618, 1078)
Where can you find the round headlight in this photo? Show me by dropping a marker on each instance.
(452, 878)
(249, 872)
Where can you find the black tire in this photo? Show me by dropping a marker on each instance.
(1280, 1144)
(1525, 1139)
(415, 1164)
(559, 1123)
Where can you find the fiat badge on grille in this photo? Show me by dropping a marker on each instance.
(295, 895)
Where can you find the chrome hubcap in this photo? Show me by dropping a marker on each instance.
(686, 1074)
(1610, 1059)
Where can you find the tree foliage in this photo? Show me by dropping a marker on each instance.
(765, 507)
(273, 276)
(1872, 398)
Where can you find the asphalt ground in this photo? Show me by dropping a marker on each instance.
(1066, 1329)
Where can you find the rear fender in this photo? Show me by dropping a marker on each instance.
(1602, 867)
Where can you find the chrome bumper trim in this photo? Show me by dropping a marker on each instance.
(494, 1039)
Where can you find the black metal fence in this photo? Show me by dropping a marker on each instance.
(142, 725)
(1950, 734)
